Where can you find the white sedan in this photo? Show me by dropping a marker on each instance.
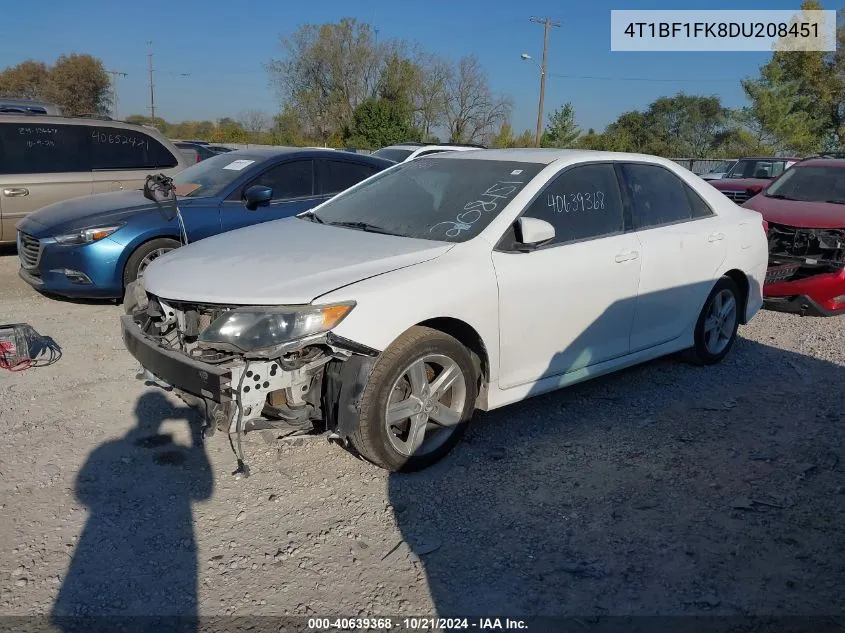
(471, 280)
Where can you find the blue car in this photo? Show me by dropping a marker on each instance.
(92, 246)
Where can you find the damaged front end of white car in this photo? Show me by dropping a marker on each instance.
(249, 368)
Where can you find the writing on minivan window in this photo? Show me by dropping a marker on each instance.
(39, 136)
(37, 130)
(120, 139)
(487, 202)
(578, 201)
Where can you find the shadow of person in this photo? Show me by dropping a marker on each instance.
(664, 489)
(136, 555)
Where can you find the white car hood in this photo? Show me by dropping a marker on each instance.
(289, 261)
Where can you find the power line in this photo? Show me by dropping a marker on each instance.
(657, 79)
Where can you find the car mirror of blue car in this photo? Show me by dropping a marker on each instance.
(257, 196)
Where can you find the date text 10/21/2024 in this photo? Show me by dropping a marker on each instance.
(417, 624)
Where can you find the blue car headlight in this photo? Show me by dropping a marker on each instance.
(86, 236)
(251, 329)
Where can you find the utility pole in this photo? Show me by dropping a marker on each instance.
(152, 87)
(151, 70)
(114, 75)
(547, 23)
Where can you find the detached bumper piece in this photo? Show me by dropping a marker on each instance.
(177, 370)
(799, 304)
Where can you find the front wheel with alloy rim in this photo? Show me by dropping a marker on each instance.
(144, 255)
(418, 401)
(715, 331)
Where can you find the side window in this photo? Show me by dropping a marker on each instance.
(657, 195)
(700, 209)
(581, 203)
(32, 148)
(123, 148)
(293, 179)
(337, 175)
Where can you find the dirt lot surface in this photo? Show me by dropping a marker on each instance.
(666, 489)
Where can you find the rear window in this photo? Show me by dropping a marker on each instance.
(396, 155)
(337, 175)
(45, 148)
(121, 148)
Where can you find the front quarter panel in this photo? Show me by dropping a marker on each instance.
(461, 284)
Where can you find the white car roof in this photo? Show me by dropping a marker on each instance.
(547, 156)
(429, 146)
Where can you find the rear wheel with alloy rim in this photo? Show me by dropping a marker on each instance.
(715, 331)
(417, 402)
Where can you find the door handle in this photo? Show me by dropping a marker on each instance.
(16, 192)
(626, 256)
(715, 237)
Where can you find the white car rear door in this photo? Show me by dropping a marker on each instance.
(683, 246)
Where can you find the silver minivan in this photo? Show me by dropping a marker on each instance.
(46, 159)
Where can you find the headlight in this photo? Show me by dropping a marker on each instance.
(86, 235)
(251, 329)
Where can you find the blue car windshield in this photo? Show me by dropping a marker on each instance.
(211, 176)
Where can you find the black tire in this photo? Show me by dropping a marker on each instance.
(700, 354)
(130, 271)
(370, 439)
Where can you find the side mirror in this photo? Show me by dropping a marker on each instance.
(257, 196)
(533, 232)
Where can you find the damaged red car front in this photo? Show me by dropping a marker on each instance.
(805, 214)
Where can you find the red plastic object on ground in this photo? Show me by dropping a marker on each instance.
(14, 347)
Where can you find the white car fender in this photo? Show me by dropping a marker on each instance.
(460, 284)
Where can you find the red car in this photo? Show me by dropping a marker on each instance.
(749, 176)
(805, 214)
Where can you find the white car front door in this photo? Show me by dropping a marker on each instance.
(683, 246)
(571, 303)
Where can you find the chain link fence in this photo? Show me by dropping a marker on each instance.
(704, 165)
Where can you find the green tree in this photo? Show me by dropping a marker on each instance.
(287, 128)
(526, 139)
(784, 116)
(797, 99)
(79, 84)
(504, 137)
(561, 130)
(689, 124)
(379, 122)
(592, 140)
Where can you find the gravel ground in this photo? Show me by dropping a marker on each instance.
(666, 489)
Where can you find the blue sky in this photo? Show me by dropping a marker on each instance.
(224, 45)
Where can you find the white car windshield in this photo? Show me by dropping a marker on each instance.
(431, 198)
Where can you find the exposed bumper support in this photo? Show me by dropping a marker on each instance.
(199, 379)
